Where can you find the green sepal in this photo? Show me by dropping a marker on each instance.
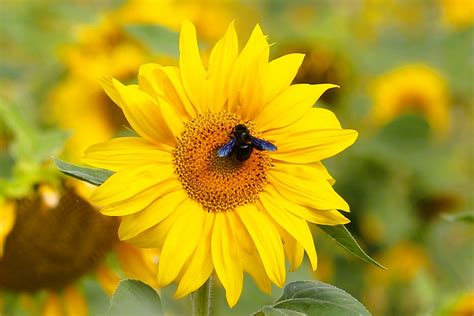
(344, 238)
(93, 176)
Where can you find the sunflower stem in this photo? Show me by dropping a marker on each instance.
(202, 298)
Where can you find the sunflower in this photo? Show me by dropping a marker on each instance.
(45, 248)
(35, 258)
(106, 47)
(210, 213)
(100, 48)
(457, 13)
(411, 88)
(50, 235)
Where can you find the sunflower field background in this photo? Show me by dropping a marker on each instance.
(406, 76)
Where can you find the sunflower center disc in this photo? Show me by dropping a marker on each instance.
(49, 248)
(219, 184)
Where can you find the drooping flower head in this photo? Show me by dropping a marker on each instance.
(213, 212)
(44, 248)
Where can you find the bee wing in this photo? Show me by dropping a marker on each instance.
(227, 148)
(261, 144)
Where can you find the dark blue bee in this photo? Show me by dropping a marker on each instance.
(242, 144)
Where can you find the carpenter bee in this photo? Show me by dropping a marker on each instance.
(242, 144)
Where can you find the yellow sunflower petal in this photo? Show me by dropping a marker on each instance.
(246, 82)
(221, 63)
(154, 80)
(109, 88)
(184, 235)
(307, 171)
(143, 199)
(124, 152)
(199, 266)
(280, 74)
(322, 169)
(315, 145)
(310, 176)
(152, 215)
(314, 118)
(155, 236)
(74, 302)
(144, 115)
(127, 183)
(226, 257)
(323, 217)
(251, 262)
(293, 249)
(108, 280)
(267, 240)
(290, 105)
(134, 265)
(326, 217)
(147, 80)
(193, 74)
(319, 195)
(7, 221)
(171, 117)
(170, 82)
(295, 226)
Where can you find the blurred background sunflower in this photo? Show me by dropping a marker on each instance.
(51, 238)
(405, 69)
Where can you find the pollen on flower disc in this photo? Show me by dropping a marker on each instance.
(218, 183)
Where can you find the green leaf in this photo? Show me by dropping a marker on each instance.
(159, 39)
(344, 238)
(134, 297)
(93, 176)
(272, 311)
(467, 217)
(314, 298)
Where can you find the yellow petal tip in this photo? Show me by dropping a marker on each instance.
(179, 294)
(232, 301)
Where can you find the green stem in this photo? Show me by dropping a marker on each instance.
(202, 298)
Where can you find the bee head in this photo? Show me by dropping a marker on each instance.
(241, 128)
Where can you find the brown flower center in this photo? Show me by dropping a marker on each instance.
(51, 247)
(218, 183)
